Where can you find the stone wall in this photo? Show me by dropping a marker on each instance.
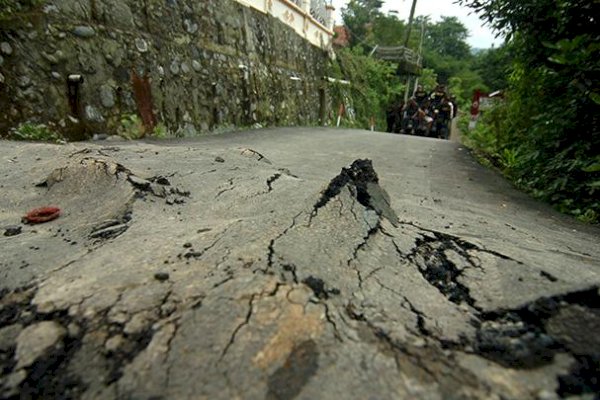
(193, 65)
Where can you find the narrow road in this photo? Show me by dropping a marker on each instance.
(288, 264)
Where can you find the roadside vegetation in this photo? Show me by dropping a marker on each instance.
(545, 135)
(374, 85)
(35, 132)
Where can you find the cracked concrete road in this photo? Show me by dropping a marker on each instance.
(288, 264)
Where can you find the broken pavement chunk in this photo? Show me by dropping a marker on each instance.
(138, 182)
(109, 232)
(363, 181)
(37, 340)
(250, 153)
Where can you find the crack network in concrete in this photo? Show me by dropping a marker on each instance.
(240, 326)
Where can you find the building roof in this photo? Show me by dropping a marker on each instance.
(342, 36)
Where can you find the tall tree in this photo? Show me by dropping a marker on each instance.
(448, 37)
(359, 16)
(447, 52)
(388, 30)
(494, 66)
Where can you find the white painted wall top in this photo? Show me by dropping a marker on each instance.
(311, 19)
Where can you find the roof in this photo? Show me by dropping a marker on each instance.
(342, 36)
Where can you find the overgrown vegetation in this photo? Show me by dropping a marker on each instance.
(131, 127)
(545, 137)
(35, 132)
(373, 85)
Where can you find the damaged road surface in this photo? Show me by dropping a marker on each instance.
(288, 264)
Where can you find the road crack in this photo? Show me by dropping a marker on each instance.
(272, 180)
(240, 326)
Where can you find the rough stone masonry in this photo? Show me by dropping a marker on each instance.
(194, 65)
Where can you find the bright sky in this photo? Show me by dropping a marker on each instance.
(480, 36)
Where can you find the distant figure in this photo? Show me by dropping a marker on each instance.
(409, 117)
(446, 109)
(420, 96)
(394, 116)
(442, 119)
(454, 105)
(437, 95)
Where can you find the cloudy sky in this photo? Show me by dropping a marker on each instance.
(480, 36)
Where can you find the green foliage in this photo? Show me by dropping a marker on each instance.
(428, 79)
(548, 134)
(160, 131)
(131, 127)
(493, 66)
(358, 16)
(373, 85)
(447, 38)
(36, 132)
(387, 30)
(10, 7)
(539, 159)
(446, 52)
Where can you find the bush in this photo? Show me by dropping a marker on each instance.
(373, 86)
(39, 132)
(131, 127)
(547, 135)
(538, 156)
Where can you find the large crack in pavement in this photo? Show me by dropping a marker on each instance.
(332, 294)
(505, 337)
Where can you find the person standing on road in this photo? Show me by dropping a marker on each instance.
(420, 96)
(394, 116)
(409, 117)
(446, 111)
(454, 106)
(436, 96)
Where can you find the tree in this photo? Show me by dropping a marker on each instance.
(550, 124)
(359, 16)
(494, 66)
(388, 30)
(448, 38)
(446, 51)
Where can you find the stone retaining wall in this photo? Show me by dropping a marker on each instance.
(193, 65)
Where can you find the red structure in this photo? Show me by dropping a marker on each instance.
(342, 36)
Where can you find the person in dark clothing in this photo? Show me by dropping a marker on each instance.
(442, 120)
(446, 109)
(436, 96)
(394, 117)
(420, 96)
(454, 106)
(409, 113)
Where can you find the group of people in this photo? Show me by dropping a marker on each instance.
(424, 114)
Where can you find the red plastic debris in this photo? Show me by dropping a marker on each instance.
(42, 214)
